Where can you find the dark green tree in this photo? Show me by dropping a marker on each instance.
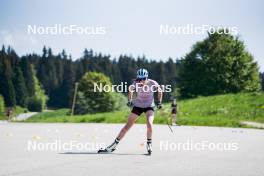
(38, 101)
(219, 64)
(6, 84)
(18, 79)
(28, 75)
(20, 87)
(95, 101)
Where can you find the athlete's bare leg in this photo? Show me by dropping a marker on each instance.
(131, 120)
(150, 118)
(173, 118)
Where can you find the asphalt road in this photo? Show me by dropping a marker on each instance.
(187, 151)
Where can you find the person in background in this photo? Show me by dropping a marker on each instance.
(173, 112)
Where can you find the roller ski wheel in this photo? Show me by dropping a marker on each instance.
(106, 150)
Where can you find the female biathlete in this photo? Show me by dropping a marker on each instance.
(144, 102)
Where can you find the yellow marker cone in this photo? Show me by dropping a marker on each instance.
(141, 145)
(79, 135)
(35, 137)
(9, 134)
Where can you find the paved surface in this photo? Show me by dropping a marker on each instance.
(25, 116)
(253, 124)
(130, 159)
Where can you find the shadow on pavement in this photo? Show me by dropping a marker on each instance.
(92, 153)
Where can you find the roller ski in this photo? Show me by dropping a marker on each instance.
(149, 147)
(110, 148)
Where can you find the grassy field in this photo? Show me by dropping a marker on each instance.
(2, 116)
(222, 110)
(17, 110)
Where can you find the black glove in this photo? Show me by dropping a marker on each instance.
(159, 105)
(129, 104)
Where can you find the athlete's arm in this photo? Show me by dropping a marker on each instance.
(130, 95)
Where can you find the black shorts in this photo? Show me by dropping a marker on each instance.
(174, 111)
(139, 111)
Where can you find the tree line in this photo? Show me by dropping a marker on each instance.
(57, 74)
(218, 64)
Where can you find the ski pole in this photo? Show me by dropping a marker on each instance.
(163, 114)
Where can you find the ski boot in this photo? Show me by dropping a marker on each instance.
(110, 148)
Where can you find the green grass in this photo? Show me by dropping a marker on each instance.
(17, 110)
(2, 116)
(222, 110)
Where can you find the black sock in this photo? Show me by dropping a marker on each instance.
(149, 141)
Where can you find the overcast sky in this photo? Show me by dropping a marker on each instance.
(131, 27)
